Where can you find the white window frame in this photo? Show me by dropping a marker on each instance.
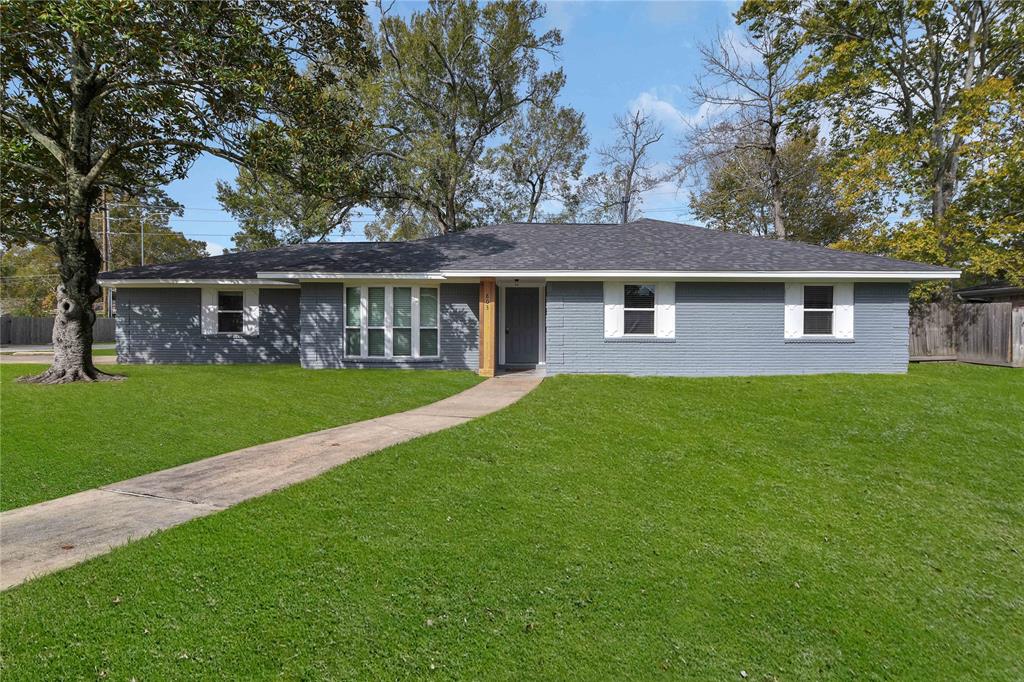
(831, 310)
(209, 318)
(664, 310)
(389, 297)
(653, 310)
(842, 310)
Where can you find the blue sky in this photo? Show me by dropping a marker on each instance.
(617, 56)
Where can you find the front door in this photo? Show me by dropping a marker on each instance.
(522, 326)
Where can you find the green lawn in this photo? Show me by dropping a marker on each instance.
(61, 439)
(834, 527)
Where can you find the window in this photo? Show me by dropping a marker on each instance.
(230, 312)
(375, 325)
(818, 310)
(638, 311)
(428, 321)
(391, 321)
(353, 321)
(401, 319)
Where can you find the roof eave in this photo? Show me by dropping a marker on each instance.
(294, 278)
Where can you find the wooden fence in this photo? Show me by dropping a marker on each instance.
(985, 333)
(31, 331)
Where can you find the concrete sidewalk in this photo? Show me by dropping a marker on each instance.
(49, 536)
(47, 358)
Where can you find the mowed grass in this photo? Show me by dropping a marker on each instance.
(832, 527)
(57, 440)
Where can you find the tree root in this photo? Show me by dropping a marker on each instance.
(64, 375)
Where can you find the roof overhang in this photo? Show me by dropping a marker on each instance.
(709, 276)
(293, 279)
(185, 282)
(713, 276)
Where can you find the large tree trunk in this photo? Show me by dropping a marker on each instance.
(80, 263)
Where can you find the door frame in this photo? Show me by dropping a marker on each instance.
(504, 284)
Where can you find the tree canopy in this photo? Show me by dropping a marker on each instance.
(451, 77)
(125, 95)
(922, 102)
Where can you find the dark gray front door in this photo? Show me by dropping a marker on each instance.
(522, 326)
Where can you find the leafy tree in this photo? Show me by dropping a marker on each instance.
(983, 233)
(28, 275)
(541, 159)
(451, 76)
(744, 83)
(614, 194)
(30, 272)
(735, 193)
(125, 95)
(271, 211)
(921, 98)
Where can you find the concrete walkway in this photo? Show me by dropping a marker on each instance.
(49, 536)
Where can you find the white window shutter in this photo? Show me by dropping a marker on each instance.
(208, 311)
(842, 303)
(665, 310)
(251, 308)
(614, 300)
(794, 310)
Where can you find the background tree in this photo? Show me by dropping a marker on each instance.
(30, 272)
(541, 159)
(735, 193)
(271, 211)
(129, 234)
(614, 194)
(745, 80)
(104, 93)
(451, 76)
(28, 280)
(917, 95)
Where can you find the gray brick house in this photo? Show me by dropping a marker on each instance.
(648, 297)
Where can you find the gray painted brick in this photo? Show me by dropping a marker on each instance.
(322, 327)
(726, 329)
(163, 326)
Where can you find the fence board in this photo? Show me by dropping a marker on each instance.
(32, 331)
(932, 332)
(985, 331)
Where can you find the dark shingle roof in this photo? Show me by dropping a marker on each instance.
(643, 245)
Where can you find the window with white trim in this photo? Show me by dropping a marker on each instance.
(391, 321)
(230, 311)
(638, 310)
(818, 310)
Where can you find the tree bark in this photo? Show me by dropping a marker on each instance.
(775, 179)
(80, 263)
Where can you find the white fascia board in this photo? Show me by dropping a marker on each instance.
(168, 282)
(313, 276)
(678, 276)
(711, 276)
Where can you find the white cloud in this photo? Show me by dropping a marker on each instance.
(664, 110)
(661, 109)
(214, 249)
